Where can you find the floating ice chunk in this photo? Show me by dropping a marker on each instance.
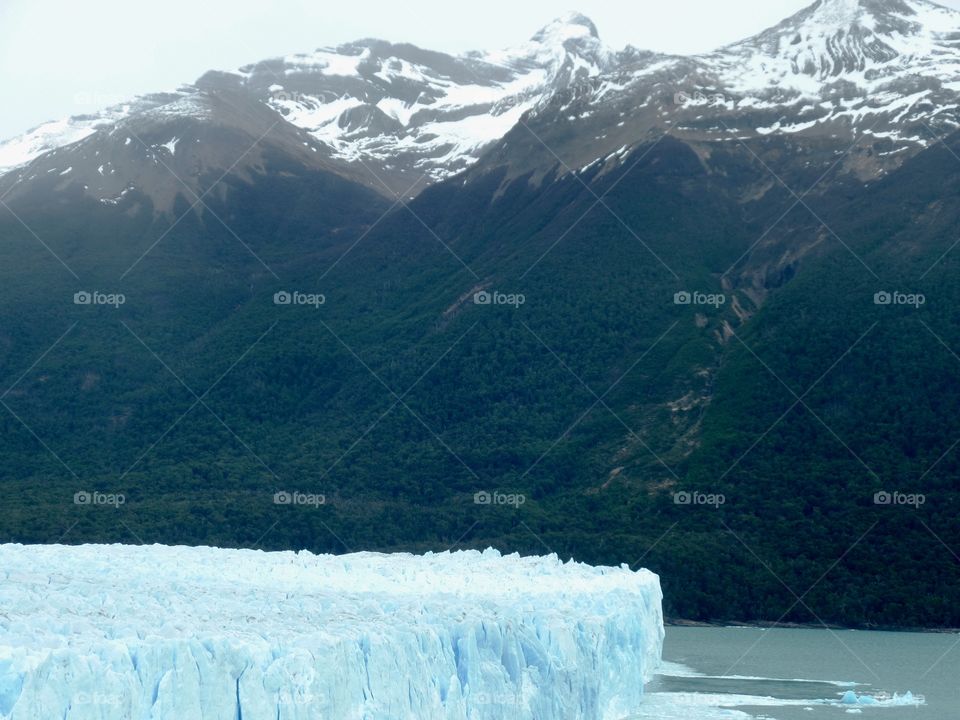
(881, 699)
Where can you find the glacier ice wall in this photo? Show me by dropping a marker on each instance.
(118, 632)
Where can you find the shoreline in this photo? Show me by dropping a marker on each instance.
(769, 624)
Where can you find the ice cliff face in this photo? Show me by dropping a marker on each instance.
(174, 633)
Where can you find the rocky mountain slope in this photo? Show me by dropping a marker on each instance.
(392, 116)
(865, 83)
(880, 74)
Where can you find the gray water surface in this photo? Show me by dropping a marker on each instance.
(789, 674)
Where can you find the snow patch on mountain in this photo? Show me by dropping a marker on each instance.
(326, 62)
(440, 117)
(52, 136)
(855, 59)
(21, 150)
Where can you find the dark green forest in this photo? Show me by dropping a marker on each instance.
(599, 399)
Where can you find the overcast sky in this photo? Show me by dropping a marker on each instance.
(63, 57)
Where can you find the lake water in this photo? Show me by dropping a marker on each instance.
(787, 674)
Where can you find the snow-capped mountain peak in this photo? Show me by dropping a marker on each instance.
(571, 25)
(848, 61)
(881, 76)
(836, 13)
(403, 111)
(406, 111)
(833, 37)
(397, 116)
(570, 42)
(840, 13)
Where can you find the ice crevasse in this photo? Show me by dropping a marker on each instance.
(118, 632)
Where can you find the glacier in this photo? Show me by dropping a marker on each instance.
(118, 632)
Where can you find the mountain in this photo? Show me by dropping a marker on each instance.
(666, 324)
(879, 73)
(885, 71)
(394, 117)
(414, 113)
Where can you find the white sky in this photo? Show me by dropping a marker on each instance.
(67, 57)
